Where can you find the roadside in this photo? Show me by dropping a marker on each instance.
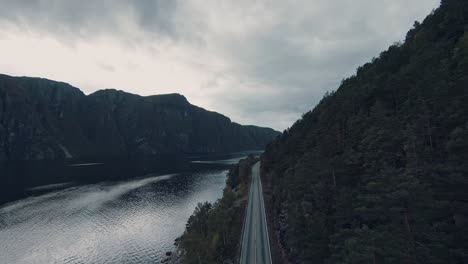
(277, 253)
(213, 231)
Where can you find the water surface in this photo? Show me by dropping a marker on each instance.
(128, 221)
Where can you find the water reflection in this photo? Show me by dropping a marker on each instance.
(127, 221)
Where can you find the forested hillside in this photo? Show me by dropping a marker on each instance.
(377, 172)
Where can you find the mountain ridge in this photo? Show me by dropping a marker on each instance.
(45, 119)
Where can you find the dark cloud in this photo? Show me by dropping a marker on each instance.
(89, 18)
(312, 46)
(278, 57)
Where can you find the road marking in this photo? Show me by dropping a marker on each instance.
(255, 232)
(264, 213)
(255, 211)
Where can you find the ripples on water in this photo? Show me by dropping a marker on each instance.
(121, 222)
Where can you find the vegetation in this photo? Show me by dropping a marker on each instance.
(213, 231)
(378, 171)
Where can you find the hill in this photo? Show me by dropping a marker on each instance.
(377, 172)
(44, 119)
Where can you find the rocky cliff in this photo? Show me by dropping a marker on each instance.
(44, 119)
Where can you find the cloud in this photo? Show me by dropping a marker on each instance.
(87, 18)
(261, 62)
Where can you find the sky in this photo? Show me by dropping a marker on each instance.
(262, 62)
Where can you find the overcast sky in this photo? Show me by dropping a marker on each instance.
(258, 62)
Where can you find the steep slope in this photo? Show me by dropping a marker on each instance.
(377, 172)
(43, 119)
(37, 117)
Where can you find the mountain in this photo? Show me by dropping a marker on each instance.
(44, 119)
(377, 172)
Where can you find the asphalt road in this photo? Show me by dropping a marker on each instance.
(255, 243)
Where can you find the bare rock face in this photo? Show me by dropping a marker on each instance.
(44, 119)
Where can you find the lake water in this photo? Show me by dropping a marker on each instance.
(126, 221)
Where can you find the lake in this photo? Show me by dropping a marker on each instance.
(115, 219)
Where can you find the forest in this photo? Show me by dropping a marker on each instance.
(377, 172)
(213, 232)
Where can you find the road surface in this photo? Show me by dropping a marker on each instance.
(255, 243)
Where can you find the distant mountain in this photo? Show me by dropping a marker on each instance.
(44, 119)
(377, 172)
